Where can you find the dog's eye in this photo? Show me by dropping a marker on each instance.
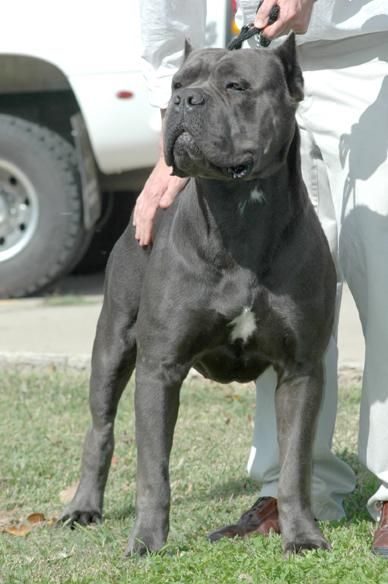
(236, 86)
(176, 85)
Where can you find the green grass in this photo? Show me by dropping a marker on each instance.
(42, 423)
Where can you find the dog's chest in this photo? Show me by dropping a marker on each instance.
(241, 303)
(246, 328)
(243, 326)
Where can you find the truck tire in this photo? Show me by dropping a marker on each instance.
(41, 229)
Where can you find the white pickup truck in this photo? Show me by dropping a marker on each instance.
(76, 129)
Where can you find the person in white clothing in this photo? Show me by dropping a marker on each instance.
(343, 51)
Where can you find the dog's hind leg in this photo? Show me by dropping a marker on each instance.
(298, 398)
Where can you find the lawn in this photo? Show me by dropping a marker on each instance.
(42, 424)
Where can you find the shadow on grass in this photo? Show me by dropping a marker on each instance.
(122, 512)
(354, 503)
(232, 488)
(228, 490)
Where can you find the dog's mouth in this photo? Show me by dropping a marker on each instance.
(184, 144)
(240, 171)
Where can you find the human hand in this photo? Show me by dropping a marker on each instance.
(159, 191)
(294, 15)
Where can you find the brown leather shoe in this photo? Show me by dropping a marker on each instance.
(380, 540)
(262, 518)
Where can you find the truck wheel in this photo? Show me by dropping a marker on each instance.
(41, 226)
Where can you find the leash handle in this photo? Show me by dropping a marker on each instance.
(249, 30)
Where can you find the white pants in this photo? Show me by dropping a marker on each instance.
(344, 128)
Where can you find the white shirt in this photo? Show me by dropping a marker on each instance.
(166, 23)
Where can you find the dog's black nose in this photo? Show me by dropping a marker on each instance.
(195, 98)
(188, 99)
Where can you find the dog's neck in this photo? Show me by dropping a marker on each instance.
(245, 220)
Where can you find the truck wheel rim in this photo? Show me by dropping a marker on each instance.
(19, 210)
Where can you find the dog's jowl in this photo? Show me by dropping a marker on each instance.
(239, 278)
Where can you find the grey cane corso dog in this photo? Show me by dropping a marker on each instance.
(239, 278)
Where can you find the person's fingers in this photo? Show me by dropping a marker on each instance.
(167, 199)
(144, 228)
(135, 213)
(263, 13)
(272, 31)
(282, 24)
(145, 235)
(137, 230)
(168, 196)
(144, 222)
(173, 189)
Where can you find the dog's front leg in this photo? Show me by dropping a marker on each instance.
(114, 354)
(298, 398)
(156, 405)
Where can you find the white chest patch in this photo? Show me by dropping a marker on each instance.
(257, 195)
(243, 325)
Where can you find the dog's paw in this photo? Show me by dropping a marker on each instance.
(301, 545)
(136, 547)
(73, 517)
(143, 541)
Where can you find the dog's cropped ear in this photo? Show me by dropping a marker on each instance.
(188, 49)
(293, 72)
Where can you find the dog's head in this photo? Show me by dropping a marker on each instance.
(232, 113)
